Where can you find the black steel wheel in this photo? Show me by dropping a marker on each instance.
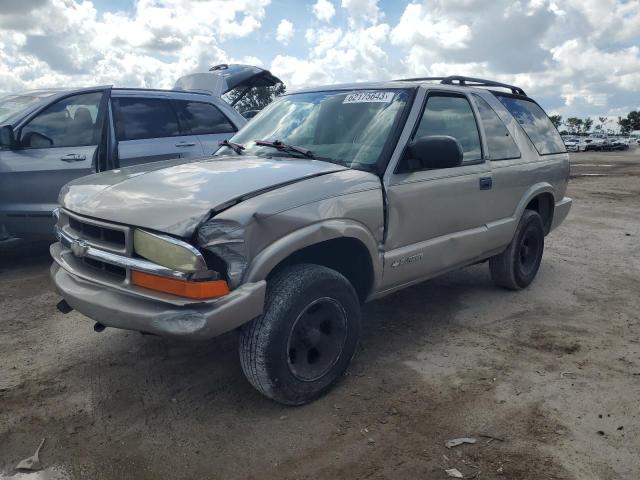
(305, 339)
(517, 266)
(317, 339)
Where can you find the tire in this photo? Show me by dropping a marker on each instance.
(304, 341)
(517, 266)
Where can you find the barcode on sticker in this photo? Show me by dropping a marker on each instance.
(366, 97)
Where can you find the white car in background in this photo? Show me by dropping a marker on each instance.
(575, 144)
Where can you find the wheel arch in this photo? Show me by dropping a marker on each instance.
(345, 246)
(540, 198)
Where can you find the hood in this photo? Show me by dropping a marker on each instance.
(175, 197)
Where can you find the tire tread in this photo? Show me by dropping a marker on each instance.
(255, 336)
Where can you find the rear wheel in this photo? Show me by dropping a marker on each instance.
(305, 339)
(517, 266)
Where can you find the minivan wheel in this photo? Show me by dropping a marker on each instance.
(517, 266)
(304, 341)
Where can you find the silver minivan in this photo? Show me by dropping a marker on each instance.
(50, 137)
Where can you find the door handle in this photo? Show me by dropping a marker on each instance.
(185, 144)
(486, 183)
(73, 157)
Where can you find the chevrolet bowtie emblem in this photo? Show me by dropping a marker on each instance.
(79, 248)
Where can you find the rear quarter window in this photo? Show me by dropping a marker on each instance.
(141, 118)
(499, 142)
(199, 118)
(536, 124)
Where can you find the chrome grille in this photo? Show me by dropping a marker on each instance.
(97, 233)
(101, 235)
(106, 236)
(118, 272)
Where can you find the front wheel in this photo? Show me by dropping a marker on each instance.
(304, 341)
(517, 266)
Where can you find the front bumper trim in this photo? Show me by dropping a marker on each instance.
(114, 308)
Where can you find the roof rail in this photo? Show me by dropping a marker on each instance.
(468, 81)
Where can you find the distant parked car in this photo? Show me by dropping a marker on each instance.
(50, 137)
(597, 142)
(575, 145)
(618, 144)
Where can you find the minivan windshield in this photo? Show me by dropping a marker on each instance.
(13, 104)
(350, 128)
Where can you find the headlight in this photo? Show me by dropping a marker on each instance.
(168, 252)
(225, 240)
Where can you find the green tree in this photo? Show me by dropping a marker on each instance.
(556, 120)
(602, 121)
(586, 125)
(634, 120)
(625, 125)
(573, 124)
(255, 99)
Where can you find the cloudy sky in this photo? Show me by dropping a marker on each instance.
(577, 57)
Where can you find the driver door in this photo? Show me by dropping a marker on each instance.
(56, 145)
(437, 217)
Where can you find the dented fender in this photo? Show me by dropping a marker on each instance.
(310, 235)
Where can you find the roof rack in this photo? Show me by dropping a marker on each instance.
(468, 81)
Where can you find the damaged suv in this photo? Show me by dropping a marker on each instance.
(328, 198)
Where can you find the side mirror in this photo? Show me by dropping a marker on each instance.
(435, 151)
(7, 137)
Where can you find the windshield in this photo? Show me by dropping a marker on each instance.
(12, 104)
(349, 128)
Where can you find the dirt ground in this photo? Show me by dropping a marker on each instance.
(547, 380)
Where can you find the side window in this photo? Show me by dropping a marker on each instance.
(199, 118)
(499, 142)
(70, 122)
(452, 115)
(139, 118)
(536, 124)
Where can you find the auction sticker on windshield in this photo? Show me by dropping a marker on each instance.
(367, 97)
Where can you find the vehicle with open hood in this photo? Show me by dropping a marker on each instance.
(330, 197)
(50, 137)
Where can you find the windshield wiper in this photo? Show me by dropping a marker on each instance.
(236, 147)
(283, 147)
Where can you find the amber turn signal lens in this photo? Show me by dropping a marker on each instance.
(183, 288)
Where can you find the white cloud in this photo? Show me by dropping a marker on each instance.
(324, 10)
(285, 31)
(65, 43)
(609, 19)
(362, 12)
(296, 72)
(338, 56)
(419, 25)
(323, 39)
(577, 56)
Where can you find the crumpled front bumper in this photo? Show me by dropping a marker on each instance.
(115, 308)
